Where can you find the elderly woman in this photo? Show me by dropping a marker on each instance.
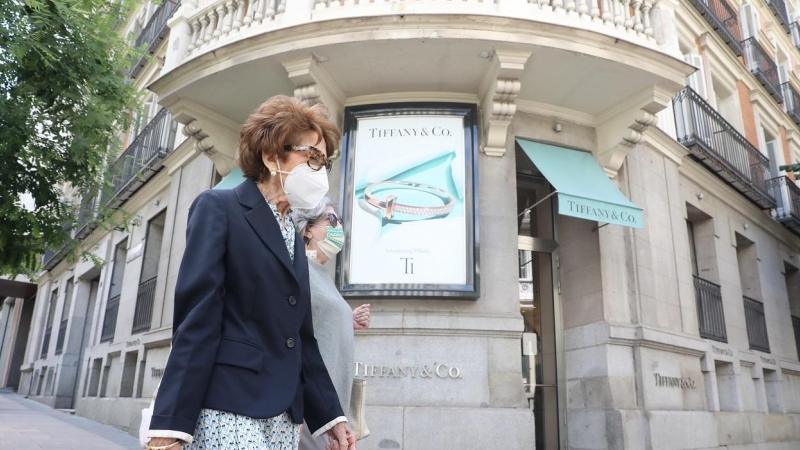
(245, 368)
(333, 319)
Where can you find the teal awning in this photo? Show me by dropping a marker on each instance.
(231, 180)
(584, 190)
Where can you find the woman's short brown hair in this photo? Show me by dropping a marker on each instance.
(274, 123)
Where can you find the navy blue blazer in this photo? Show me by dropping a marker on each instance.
(243, 340)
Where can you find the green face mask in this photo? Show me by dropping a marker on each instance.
(333, 242)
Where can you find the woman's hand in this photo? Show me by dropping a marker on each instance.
(161, 442)
(361, 317)
(340, 437)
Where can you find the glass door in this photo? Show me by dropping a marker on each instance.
(539, 355)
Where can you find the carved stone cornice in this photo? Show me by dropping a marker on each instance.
(214, 135)
(313, 83)
(622, 127)
(498, 96)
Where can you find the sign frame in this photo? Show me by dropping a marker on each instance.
(470, 289)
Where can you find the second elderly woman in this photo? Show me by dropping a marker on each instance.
(334, 321)
(245, 368)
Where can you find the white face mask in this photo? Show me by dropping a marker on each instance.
(333, 242)
(304, 188)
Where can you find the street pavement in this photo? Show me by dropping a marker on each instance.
(29, 425)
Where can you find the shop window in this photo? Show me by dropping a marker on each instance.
(104, 378)
(32, 389)
(792, 278)
(86, 378)
(726, 387)
(772, 387)
(145, 297)
(140, 379)
(48, 390)
(94, 380)
(128, 374)
(705, 275)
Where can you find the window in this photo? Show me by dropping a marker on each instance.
(697, 80)
(145, 297)
(749, 20)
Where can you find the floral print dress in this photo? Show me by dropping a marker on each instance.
(220, 430)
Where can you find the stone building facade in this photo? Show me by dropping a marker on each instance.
(679, 334)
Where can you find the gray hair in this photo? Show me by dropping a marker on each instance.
(302, 217)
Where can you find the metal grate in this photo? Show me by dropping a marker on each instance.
(778, 8)
(153, 33)
(756, 325)
(710, 313)
(723, 19)
(723, 150)
(144, 305)
(142, 159)
(762, 67)
(110, 320)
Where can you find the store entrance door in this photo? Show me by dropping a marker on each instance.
(538, 285)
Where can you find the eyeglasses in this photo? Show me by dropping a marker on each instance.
(332, 218)
(316, 157)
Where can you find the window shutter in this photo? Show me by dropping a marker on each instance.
(749, 21)
(697, 80)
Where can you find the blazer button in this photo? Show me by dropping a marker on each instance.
(290, 343)
(292, 300)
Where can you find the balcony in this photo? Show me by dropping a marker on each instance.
(778, 8)
(723, 19)
(787, 194)
(86, 216)
(142, 159)
(761, 65)
(756, 325)
(46, 342)
(144, 306)
(110, 320)
(710, 314)
(714, 143)
(153, 33)
(584, 56)
(62, 335)
(791, 102)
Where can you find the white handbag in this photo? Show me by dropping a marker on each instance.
(358, 403)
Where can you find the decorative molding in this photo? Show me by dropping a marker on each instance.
(557, 112)
(213, 134)
(400, 97)
(622, 127)
(498, 96)
(314, 83)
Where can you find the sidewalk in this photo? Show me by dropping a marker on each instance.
(26, 424)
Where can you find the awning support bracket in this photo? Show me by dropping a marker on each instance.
(597, 227)
(537, 203)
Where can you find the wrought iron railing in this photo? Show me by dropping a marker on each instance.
(756, 325)
(778, 8)
(110, 320)
(153, 33)
(62, 335)
(791, 101)
(46, 342)
(761, 65)
(723, 150)
(710, 313)
(788, 198)
(86, 216)
(723, 19)
(143, 316)
(142, 159)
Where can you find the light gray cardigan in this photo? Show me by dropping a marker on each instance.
(333, 328)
